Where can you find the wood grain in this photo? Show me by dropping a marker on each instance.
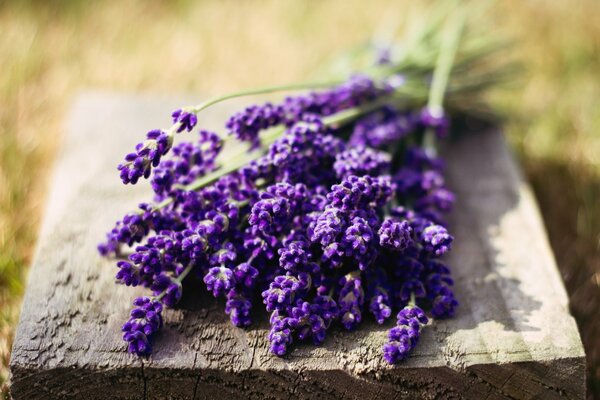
(513, 337)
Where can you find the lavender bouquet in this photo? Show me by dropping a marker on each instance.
(334, 212)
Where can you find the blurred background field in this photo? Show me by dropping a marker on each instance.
(50, 50)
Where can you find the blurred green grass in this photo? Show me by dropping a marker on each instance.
(50, 50)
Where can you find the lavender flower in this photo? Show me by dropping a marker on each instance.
(444, 304)
(404, 336)
(238, 308)
(246, 275)
(379, 299)
(219, 280)
(170, 289)
(395, 235)
(296, 257)
(187, 120)
(280, 335)
(247, 124)
(285, 289)
(145, 321)
(359, 242)
(361, 161)
(306, 319)
(158, 255)
(360, 192)
(278, 204)
(351, 299)
(146, 156)
(329, 226)
(189, 161)
(436, 240)
(137, 225)
(382, 128)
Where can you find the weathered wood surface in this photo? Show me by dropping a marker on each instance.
(513, 336)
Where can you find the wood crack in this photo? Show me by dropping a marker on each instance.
(145, 395)
(197, 378)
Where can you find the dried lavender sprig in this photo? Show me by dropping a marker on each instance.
(149, 153)
(403, 338)
(146, 318)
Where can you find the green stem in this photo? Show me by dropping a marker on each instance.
(443, 67)
(266, 90)
(441, 75)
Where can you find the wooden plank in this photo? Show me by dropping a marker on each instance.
(513, 336)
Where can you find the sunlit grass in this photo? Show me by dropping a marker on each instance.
(51, 50)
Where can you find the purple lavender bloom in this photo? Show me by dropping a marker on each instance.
(358, 90)
(312, 218)
(444, 304)
(326, 308)
(136, 225)
(297, 149)
(285, 289)
(270, 213)
(189, 161)
(405, 335)
(247, 124)
(296, 257)
(219, 280)
(360, 192)
(246, 275)
(436, 119)
(380, 304)
(187, 120)
(330, 224)
(131, 229)
(194, 244)
(128, 274)
(144, 322)
(436, 240)
(379, 298)
(225, 256)
(295, 139)
(395, 235)
(439, 289)
(305, 320)
(170, 290)
(350, 300)
(280, 335)
(359, 241)
(361, 161)
(259, 244)
(382, 128)
(158, 255)
(146, 156)
(278, 204)
(238, 308)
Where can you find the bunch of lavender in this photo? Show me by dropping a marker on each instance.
(333, 215)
